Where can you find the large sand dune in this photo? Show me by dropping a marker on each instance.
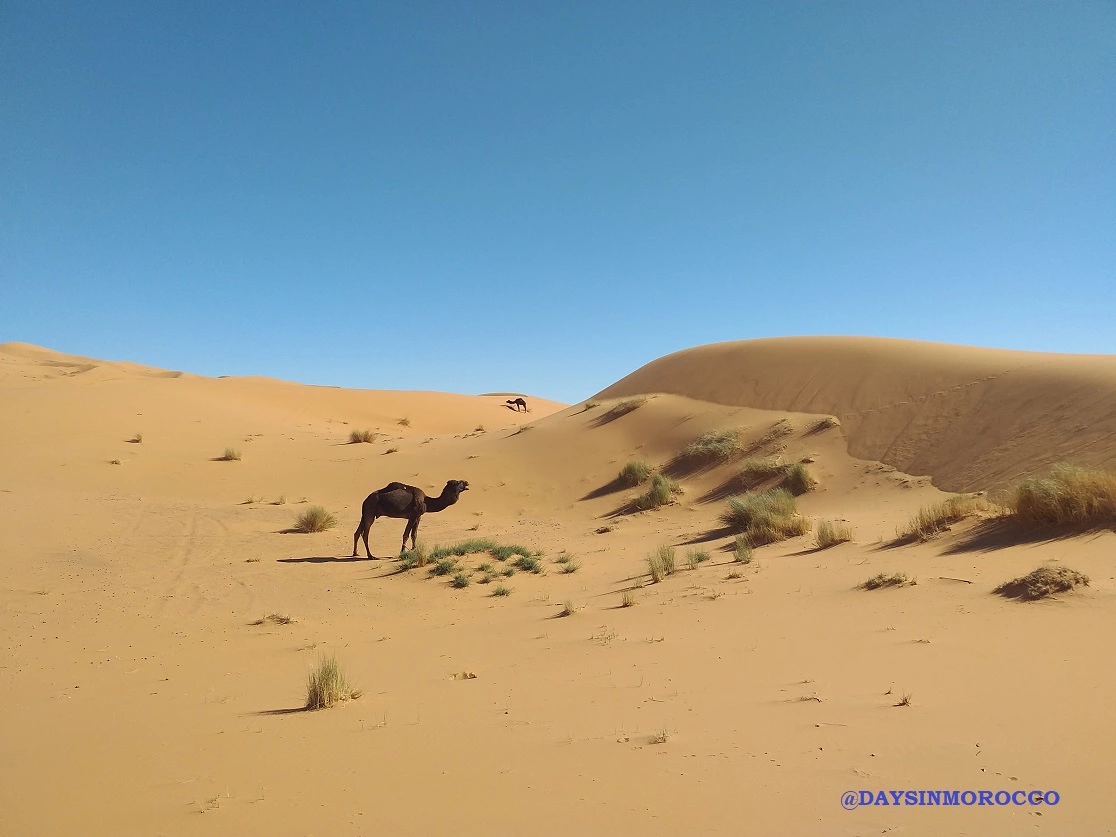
(137, 696)
(971, 418)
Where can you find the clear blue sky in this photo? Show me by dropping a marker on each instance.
(477, 196)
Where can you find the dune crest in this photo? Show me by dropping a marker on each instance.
(971, 418)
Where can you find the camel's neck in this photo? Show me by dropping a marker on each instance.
(436, 504)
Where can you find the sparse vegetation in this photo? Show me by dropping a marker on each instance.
(114, 462)
(314, 519)
(905, 700)
(1069, 496)
(460, 580)
(713, 446)
(137, 439)
(662, 491)
(357, 437)
(528, 563)
(501, 590)
(391, 450)
(660, 737)
(405, 422)
(444, 567)
(799, 480)
(479, 428)
(327, 685)
(887, 580)
(501, 552)
(628, 599)
(825, 424)
(411, 558)
(569, 564)
(661, 563)
(742, 550)
(765, 518)
(832, 532)
(1043, 582)
(274, 619)
(932, 520)
(622, 408)
(230, 455)
(590, 405)
(694, 557)
(634, 473)
(569, 608)
(282, 501)
(757, 469)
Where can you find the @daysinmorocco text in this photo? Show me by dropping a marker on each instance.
(962, 798)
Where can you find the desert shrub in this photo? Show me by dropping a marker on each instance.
(634, 473)
(568, 608)
(661, 492)
(327, 685)
(1069, 496)
(757, 469)
(528, 563)
(765, 518)
(314, 519)
(230, 455)
(404, 422)
(713, 446)
(885, 580)
(832, 532)
(622, 408)
(444, 567)
(661, 563)
(1043, 582)
(501, 590)
(825, 424)
(500, 551)
(932, 520)
(357, 437)
(694, 557)
(137, 439)
(570, 566)
(799, 480)
(460, 580)
(411, 558)
(742, 550)
(628, 599)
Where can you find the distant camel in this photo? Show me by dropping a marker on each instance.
(517, 403)
(398, 500)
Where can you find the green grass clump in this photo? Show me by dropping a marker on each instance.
(501, 590)
(230, 455)
(444, 567)
(765, 518)
(694, 557)
(528, 563)
(357, 437)
(327, 685)
(757, 469)
(569, 564)
(1043, 582)
(568, 608)
(1069, 496)
(500, 551)
(742, 550)
(634, 473)
(661, 492)
(713, 446)
(417, 557)
(661, 563)
(315, 519)
(885, 580)
(798, 479)
(932, 520)
(832, 532)
(460, 580)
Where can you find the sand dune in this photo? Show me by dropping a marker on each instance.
(139, 686)
(970, 418)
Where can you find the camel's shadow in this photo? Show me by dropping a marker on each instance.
(327, 559)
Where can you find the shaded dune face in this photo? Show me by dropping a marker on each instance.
(971, 418)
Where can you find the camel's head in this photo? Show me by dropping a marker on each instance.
(457, 486)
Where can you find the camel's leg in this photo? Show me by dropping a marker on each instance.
(406, 534)
(362, 531)
(356, 535)
(414, 532)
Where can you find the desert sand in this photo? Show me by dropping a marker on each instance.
(140, 692)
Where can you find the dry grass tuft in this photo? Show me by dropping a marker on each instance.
(765, 518)
(274, 619)
(742, 550)
(885, 580)
(622, 408)
(713, 446)
(832, 532)
(634, 473)
(1043, 582)
(230, 455)
(137, 439)
(314, 519)
(357, 437)
(628, 599)
(1070, 496)
(933, 520)
(661, 563)
(798, 479)
(569, 608)
(327, 686)
(662, 492)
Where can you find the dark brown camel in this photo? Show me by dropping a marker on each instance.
(517, 403)
(398, 500)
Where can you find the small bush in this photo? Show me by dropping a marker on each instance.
(590, 405)
(826, 424)
(114, 462)
(694, 557)
(327, 685)
(460, 580)
(314, 519)
(1070, 496)
(661, 563)
(765, 518)
(1043, 582)
(357, 437)
(484, 567)
(501, 590)
(230, 455)
(742, 550)
(622, 408)
(832, 532)
(500, 551)
(486, 578)
(411, 558)
(932, 520)
(757, 469)
(569, 608)
(713, 446)
(274, 619)
(799, 480)
(405, 422)
(628, 599)
(570, 566)
(137, 439)
(885, 580)
(391, 450)
(660, 493)
(444, 567)
(528, 563)
(634, 473)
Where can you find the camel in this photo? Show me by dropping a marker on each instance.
(399, 500)
(517, 403)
